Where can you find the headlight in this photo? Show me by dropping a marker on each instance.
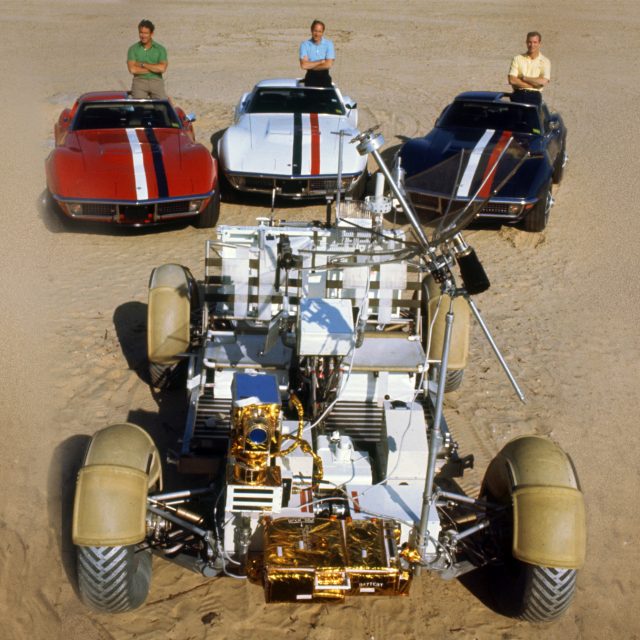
(515, 209)
(74, 209)
(194, 205)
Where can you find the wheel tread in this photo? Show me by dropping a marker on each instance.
(549, 593)
(113, 579)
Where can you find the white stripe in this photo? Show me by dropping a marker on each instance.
(305, 164)
(138, 165)
(472, 164)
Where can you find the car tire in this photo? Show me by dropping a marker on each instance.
(360, 188)
(558, 167)
(228, 193)
(209, 217)
(536, 220)
(114, 579)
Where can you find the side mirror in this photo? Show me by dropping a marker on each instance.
(351, 106)
(191, 117)
(554, 125)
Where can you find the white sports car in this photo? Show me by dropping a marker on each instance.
(286, 137)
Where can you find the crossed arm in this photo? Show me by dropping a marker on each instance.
(527, 83)
(318, 65)
(139, 68)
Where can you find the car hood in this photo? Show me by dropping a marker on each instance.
(291, 144)
(130, 164)
(420, 154)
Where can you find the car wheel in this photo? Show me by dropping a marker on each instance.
(558, 167)
(114, 579)
(209, 217)
(360, 188)
(227, 192)
(537, 218)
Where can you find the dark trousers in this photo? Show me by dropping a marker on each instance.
(527, 96)
(318, 78)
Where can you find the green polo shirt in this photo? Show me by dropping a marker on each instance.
(153, 55)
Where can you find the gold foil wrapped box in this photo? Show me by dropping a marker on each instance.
(326, 560)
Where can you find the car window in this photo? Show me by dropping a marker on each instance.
(123, 115)
(510, 117)
(296, 100)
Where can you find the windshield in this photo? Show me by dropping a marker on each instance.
(296, 100)
(492, 115)
(463, 183)
(123, 115)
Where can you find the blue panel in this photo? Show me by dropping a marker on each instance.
(264, 387)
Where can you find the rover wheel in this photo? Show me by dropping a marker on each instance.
(453, 380)
(543, 523)
(114, 579)
(537, 218)
(460, 337)
(534, 593)
(173, 293)
(166, 376)
(209, 217)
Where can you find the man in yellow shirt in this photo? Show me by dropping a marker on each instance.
(530, 71)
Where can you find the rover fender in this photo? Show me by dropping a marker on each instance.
(168, 314)
(459, 350)
(110, 504)
(537, 476)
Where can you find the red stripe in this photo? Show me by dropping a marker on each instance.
(356, 502)
(305, 496)
(485, 192)
(315, 144)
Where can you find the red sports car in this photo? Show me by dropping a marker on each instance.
(131, 162)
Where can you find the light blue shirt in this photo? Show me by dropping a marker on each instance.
(316, 52)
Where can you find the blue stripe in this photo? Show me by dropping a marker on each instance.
(158, 164)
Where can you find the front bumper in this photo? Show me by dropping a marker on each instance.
(502, 209)
(294, 187)
(134, 213)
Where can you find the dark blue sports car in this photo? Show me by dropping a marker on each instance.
(478, 129)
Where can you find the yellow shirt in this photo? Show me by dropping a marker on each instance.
(522, 66)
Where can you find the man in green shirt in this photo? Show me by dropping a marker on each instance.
(147, 61)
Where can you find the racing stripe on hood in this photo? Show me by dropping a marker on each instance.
(139, 172)
(158, 163)
(296, 160)
(485, 190)
(315, 144)
(472, 163)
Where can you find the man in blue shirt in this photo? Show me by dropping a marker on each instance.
(316, 57)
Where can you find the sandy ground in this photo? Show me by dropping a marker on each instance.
(563, 303)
